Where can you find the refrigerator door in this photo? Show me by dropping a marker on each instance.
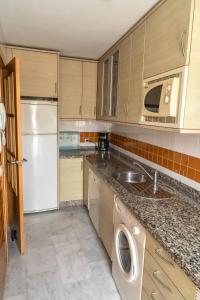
(40, 172)
(39, 117)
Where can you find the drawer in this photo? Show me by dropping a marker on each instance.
(178, 277)
(160, 279)
(151, 291)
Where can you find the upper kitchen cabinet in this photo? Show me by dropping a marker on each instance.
(70, 88)
(89, 93)
(124, 79)
(107, 95)
(99, 89)
(77, 89)
(6, 54)
(167, 40)
(134, 103)
(38, 72)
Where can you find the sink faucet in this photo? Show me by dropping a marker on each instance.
(154, 178)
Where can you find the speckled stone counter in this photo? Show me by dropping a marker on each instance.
(83, 151)
(174, 223)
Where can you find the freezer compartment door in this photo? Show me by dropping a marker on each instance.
(39, 117)
(40, 172)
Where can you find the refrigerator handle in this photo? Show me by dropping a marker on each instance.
(17, 162)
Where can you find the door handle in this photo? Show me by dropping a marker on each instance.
(17, 162)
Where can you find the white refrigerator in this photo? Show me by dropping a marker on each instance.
(39, 140)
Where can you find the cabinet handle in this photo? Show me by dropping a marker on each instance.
(182, 42)
(153, 294)
(81, 166)
(127, 109)
(94, 110)
(55, 87)
(155, 275)
(80, 110)
(158, 251)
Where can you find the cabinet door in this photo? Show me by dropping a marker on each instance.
(85, 182)
(89, 94)
(99, 90)
(167, 31)
(124, 79)
(71, 179)
(38, 73)
(136, 76)
(93, 199)
(70, 89)
(106, 226)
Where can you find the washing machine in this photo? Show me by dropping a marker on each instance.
(128, 252)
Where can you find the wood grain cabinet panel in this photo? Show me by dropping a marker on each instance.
(38, 73)
(178, 277)
(136, 74)
(167, 32)
(71, 179)
(99, 90)
(85, 182)
(89, 93)
(70, 89)
(124, 79)
(106, 226)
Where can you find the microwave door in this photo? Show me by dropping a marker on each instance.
(152, 100)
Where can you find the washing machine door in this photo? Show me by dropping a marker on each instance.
(126, 253)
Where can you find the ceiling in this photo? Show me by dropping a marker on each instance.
(79, 28)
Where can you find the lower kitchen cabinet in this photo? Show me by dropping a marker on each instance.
(106, 226)
(71, 179)
(85, 182)
(94, 198)
(163, 279)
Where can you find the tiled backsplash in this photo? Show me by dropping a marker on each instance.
(183, 164)
(89, 136)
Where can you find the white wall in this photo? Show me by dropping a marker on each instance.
(84, 126)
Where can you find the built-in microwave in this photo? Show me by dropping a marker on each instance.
(160, 97)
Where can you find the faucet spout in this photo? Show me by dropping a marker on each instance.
(154, 178)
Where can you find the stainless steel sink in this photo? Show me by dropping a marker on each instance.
(129, 177)
(140, 185)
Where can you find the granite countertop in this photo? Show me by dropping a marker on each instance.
(82, 151)
(174, 222)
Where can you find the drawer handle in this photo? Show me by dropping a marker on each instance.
(153, 294)
(158, 252)
(155, 275)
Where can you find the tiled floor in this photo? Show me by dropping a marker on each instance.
(64, 260)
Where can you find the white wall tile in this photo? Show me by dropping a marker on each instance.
(81, 126)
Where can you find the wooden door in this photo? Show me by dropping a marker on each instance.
(14, 151)
(70, 89)
(124, 79)
(89, 94)
(136, 76)
(167, 33)
(3, 207)
(38, 73)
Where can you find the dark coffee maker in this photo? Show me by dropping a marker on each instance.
(103, 142)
